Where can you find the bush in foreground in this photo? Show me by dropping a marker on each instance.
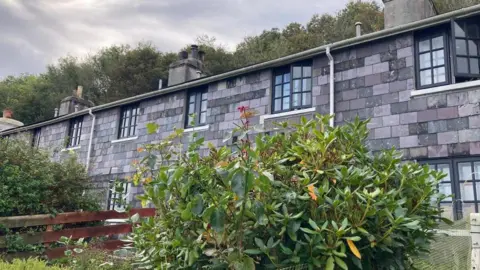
(313, 195)
(30, 264)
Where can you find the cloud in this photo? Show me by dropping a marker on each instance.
(37, 33)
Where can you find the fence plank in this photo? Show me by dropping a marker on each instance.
(110, 245)
(50, 237)
(71, 217)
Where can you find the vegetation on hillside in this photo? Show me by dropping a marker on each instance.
(121, 71)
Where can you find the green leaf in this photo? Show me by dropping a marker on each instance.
(217, 220)
(308, 231)
(341, 263)
(152, 128)
(447, 221)
(313, 224)
(135, 218)
(238, 183)
(353, 238)
(253, 251)
(412, 225)
(78, 250)
(260, 243)
(68, 253)
(286, 250)
(269, 176)
(330, 263)
(197, 206)
(151, 161)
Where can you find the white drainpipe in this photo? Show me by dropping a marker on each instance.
(89, 152)
(332, 86)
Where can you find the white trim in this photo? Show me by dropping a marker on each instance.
(71, 148)
(278, 115)
(200, 128)
(444, 88)
(125, 139)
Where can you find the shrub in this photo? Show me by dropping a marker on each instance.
(30, 183)
(30, 264)
(313, 195)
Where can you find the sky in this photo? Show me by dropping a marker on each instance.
(35, 33)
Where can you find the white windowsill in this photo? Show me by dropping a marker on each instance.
(445, 88)
(71, 148)
(279, 115)
(200, 128)
(125, 139)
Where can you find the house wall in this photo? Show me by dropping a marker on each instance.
(371, 81)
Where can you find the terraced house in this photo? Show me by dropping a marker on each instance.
(417, 80)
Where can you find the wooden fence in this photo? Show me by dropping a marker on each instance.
(52, 236)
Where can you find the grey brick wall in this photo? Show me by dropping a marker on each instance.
(371, 81)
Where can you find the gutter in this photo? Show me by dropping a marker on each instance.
(89, 152)
(464, 12)
(331, 63)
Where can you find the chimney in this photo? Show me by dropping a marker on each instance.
(6, 122)
(73, 103)
(399, 12)
(358, 29)
(188, 66)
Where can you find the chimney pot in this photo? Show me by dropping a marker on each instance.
(358, 29)
(201, 56)
(7, 113)
(160, 84)
(79, 91)
(194, 51)
(182, 55)
(55, 112)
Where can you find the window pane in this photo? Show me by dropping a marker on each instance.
(286, 103)
(465, 171)
(306, 99)
(438, 58)
(296, 100)
(204, 96)
(192, 98)
(190, 119)
(472, 48)
(461, 46)
(191, 108)
(424, 45)
(425, 60)
(286, 77)
(307, 71)
(445, 168)
(437, 43)
(466, 191)
(203, 118)
(278, 105)
(307, 85)
(439, 75)
(472, 30)
(278, 79)
(462, 65)
(445, 189)
(286, 89)
(425, 77)
(278, 91)
(204, 106)
(474, 68)
(447, 211)
(297, 72)
(468, 208)
(297, 85)
(459, 32)
(476, 168)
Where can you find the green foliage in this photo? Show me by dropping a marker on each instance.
(30, 264)
(314, 195)
(32, 184)
(444, 6)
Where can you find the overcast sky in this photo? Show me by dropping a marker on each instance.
(34, 33)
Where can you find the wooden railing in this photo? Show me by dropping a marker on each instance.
(52, 236)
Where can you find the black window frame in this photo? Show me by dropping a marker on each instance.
(199, 96)
(429, 35)
(457, 201)
(37, 133)
(127, 127)
(75, 132)
(115, 200)
(454, 39)
(283, 71)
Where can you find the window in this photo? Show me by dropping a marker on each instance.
(231, 83)
(292, 87)
(466, 35)
(36, 137)
(431, 61)
(463, 182)
(117, 195)
(75, 132)
(128, 121)
(196, 108)
(458, 43)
